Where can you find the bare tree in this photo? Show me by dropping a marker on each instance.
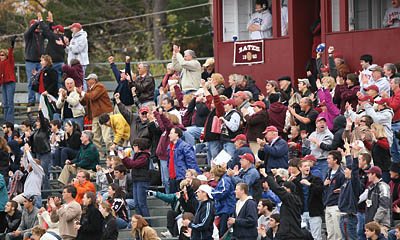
(159, 20)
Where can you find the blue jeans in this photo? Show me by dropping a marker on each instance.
(360, 226)
(62, 154)
(395, 149)
(121, 223)
(29, 67)
(191, 134)
(214, 147)
(139, 191)
(45, 162)
(58, 67)
(165, 175)
(322, 166)
(8, 90)
(77, 120)
(348, 227)
(229, 147)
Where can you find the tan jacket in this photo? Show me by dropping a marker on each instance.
(147, 233)
(97, 101)
(191, 72)
(73, 101)
(68, 215)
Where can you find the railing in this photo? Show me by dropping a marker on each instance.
(103, 70)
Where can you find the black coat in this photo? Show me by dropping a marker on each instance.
(110, 228)
(245, 227)
(91, 224)
(50, 80)
(290, 223)
(40, 139)
(34, 43)
(202, 224)
(315, 201)
(74, 141)
(56, 52)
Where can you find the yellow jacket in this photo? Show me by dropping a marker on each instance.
(120, 127)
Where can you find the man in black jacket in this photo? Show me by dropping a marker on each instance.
(245, 218)
(13, 216)
(313, 207)
(144, 85)
(290, 226)
(203, 223)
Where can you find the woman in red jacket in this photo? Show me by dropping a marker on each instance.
(7, 80)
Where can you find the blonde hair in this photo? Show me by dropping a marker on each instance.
(5, 51)
(379, 130)
(218, 77)
(330, 82)
(173, 118)
(192, 171)
(218, 171)
(187, 98)
(48, 59)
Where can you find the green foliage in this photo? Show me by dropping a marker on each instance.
(189, 28)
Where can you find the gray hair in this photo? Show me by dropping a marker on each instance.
(145, 65)
(396, 80)
(236, 77)
(391, 67)
(190, 52)
(89, 134)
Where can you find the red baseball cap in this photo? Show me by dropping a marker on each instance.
(259, 104)
(229, 101)
(270, 129)
(32, 21)
(248, 156)
(324, 69)
(58, 27)
(76, 25)
(375, 169)
(241, 94)
(309, 158)
(383, 101)
(372, 87)
(366, 99)
(240, 137)
(338, 55)
(144, 109)
(320, 118)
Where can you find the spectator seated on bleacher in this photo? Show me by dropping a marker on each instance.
(87, 159)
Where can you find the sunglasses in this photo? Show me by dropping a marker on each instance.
(2, 55)
(363, 121)
(4, 127)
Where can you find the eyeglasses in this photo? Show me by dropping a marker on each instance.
(144, 113)
(363, 121)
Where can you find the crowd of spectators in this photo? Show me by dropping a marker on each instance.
(279, 165)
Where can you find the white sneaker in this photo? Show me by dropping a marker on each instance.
(166, 234)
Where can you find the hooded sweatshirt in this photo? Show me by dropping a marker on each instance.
(78, 48)
(277, 115)
(339, 124)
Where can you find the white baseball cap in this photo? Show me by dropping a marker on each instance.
(207, 189)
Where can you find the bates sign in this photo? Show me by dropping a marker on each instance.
(251, 52)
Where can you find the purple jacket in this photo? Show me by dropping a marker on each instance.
(333, 110)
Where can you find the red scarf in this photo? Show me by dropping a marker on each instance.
(171, 166)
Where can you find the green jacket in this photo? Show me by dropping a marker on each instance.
(88, 157)
(169, 198)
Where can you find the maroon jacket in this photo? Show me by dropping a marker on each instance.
(75, 72)
(277, 115)
(255, 125)
(165, 126)
(344, 94)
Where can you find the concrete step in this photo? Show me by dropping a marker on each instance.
(125, 234)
